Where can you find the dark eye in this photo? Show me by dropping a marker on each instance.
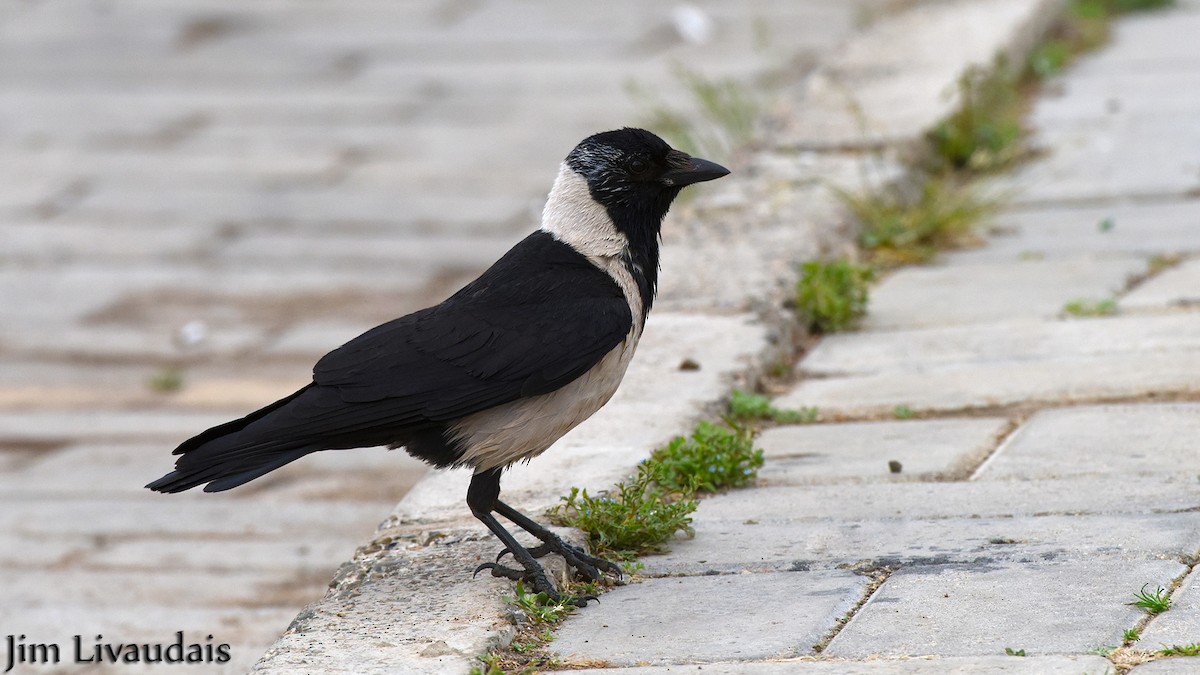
(638, 165)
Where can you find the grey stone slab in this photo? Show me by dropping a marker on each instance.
(1052, 382)
(972, 293)
(1014, 343)
(1104, 159)
(1178, 287)
(1070, 231)
(1168, 666)
(700, 619)
(971, 499)
(959, 610)
(1112, 440)
(94, 424)
(863, 451)
(961, 665)
(777, 543)
(1179, 625)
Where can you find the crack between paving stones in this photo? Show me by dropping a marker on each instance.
(1126, 657)
(878, 575)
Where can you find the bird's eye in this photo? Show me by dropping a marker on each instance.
(637, 165)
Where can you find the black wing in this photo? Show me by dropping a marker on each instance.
(539, 318)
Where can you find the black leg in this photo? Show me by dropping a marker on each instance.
(588, 566)
(482, 498)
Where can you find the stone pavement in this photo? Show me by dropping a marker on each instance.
(226, 191)
(1051, 469)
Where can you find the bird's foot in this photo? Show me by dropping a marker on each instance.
(585, 565)
(538, 580)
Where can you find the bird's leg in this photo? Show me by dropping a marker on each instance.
(590, 567)
(482, 498)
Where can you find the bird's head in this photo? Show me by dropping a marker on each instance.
(615, 188)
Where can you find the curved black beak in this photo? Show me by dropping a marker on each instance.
(692, 170)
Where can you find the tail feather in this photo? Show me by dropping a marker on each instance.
(234, 453)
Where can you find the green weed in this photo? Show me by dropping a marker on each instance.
(984, 132)
(1014, 652)
(538, 606)
(1132, 635)
(832, 295)
(166, 380)
(1191, 649)
(1084, 307)
(637, 516)
(903, 412)
(900, 226)
(1155, 602)
(744, 406)
(1083, 27)
(712, 459)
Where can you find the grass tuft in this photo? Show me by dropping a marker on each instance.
(984, 132)
(166, 380)
(904, 226)
(1155, 602)
(1191, 649)
(1132, 635)
(1014, 652)
(747, 407)
(832, 295)
(1085, 307)
(712, 459)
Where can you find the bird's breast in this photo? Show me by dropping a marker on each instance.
(525, 428)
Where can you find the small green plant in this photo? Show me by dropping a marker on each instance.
(489, 665)
(1132, 635)
(712, 459)
(984, 133)
(744, 406)
(637, 516)
(832, 295)
(166, 380)
(902, 225)
(903, 412)
(538, 606)
(1155, 602)
(1014, 652)
(1103, 650)
(1085, 307)
(1191, 649)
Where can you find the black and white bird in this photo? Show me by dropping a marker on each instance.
(503, 368)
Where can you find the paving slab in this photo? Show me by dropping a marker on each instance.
(1113, 440)
(959, 499)
(958, 610)
(1013, 342)
(972, 293)
(986, 665)
(1178, 287)
(1168, 666)
(778, 544)
(1179, 625)
(1070, 231)
(700, 619)
(863, 451)
(1061, 381)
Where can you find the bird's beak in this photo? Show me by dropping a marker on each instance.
(687, 170)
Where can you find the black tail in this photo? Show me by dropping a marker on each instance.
(236, 452)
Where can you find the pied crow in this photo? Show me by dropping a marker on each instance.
(500, 370)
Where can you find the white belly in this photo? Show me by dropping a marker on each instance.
(524, 429)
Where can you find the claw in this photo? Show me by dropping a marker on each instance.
(501, 554)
